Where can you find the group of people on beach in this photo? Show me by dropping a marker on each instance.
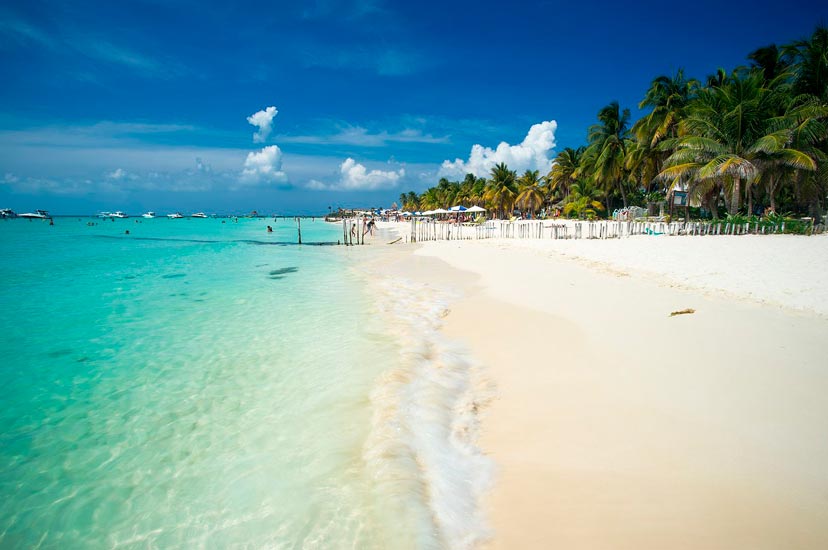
(368, 227)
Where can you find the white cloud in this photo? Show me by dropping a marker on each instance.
(263, 120)
(357, 135)
(534, 153)
(317, 185)
(202, 166)
(116, 174)
(354, 176)
(264, 167)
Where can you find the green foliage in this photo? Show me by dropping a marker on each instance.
(583, 202)
(744, 141)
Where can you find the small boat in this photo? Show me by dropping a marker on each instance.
(118, 214)
(175, 216)
(37, 215)
(199, 215)
(7, 213)
(104, 215)
(148, 215)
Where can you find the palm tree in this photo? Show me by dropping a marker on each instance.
(583, 201)
(727, 131)
(608, 142)
(430, 199)
(806, 118)
(770, 60)
(717, 79)
(412, 202)
(668, 98)
(501, 191)
(809, 63)
(409, 201)
(562, 175)
(530, 196)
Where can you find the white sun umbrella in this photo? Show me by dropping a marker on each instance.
(440, 211)
(426, 213)
(475, 209)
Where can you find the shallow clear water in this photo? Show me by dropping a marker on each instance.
(188, 385)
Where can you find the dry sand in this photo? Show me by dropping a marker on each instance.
(618, 426)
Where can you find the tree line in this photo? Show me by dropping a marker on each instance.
(750, 141)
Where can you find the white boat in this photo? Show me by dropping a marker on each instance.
(199, 215)
(148, 215)
(175, 216)
(118, 214)
(37, 215)
(7, 213)
(104, 215)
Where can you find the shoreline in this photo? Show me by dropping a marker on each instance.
(617, 426)
(426, 422)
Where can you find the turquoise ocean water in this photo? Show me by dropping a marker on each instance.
(192, 384)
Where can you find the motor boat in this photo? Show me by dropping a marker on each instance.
(118, 214)
(175, 216)
(37, 215)
(7, 213)
(148, 215)
(199, 215)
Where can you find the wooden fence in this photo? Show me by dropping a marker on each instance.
(429, 230)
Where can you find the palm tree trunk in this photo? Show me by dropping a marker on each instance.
(623, 194)
(713, 203)
(749, 193)
(772, 194)
(735, 196)
(726, 197)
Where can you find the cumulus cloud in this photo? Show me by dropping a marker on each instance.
(354, 176)
(264, 167)
(263, 120)
(118, 174)
(534, 153)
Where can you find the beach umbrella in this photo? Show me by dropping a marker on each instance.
(440, 211)
(475, 209)
(458, 209)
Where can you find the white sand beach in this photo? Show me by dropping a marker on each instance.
(618, 426)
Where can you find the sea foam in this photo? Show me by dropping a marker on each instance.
(422, 444)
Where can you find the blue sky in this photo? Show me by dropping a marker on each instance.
(145, 104)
